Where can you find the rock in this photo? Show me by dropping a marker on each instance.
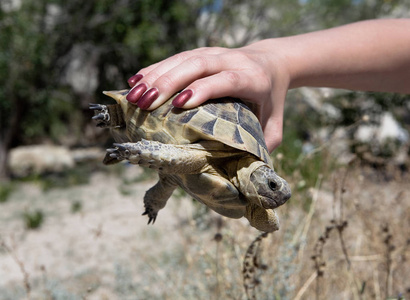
(388, 129)
(81, 155)
(391, 129)
(39, 159)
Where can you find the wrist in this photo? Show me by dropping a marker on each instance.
(272, 55)
(298, 60)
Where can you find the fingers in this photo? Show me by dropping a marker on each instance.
(273, 134)
(271, 117)
(133, 80)
(238, 84)
(181, 76)
(195, 70)
(162, 80)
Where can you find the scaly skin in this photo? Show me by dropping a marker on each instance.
(216, 153)
(176, 162)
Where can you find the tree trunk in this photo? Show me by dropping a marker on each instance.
(4, 171)
(9, 135)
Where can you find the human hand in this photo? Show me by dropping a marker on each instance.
(368, 56)
(255, 74)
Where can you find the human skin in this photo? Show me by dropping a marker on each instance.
(370, 55)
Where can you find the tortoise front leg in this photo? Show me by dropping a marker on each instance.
(262, 219)
(167, 158)
(156, 197)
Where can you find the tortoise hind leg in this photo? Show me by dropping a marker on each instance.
(167, 158)
(157, 196)
(110, 115)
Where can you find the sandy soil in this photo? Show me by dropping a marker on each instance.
(80, 250)
(106, 250)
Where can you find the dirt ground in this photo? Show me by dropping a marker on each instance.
(105, 249)
(80, 255)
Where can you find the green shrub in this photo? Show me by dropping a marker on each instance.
(5, 192)
(76, 206)
(33, 220)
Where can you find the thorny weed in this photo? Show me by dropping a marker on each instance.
(389, 248)
(218, 238)
(339, 224)
(253, 267)
(11, 248)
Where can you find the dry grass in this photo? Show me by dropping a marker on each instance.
(346, 237)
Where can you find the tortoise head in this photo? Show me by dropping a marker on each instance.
(272, 190)
(261, 185)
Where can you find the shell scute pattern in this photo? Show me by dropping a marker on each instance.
(220, 120)
(208, 127)
(184, 115)
(225, 121)
(237, 138)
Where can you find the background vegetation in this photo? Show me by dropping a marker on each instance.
(57, 56)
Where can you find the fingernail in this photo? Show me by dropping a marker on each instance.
(182, 98)
(132, 81)
(136, 93)
(149, 97)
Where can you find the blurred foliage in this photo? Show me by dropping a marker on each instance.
(64, 179)
(368, 109)
(237, 22)
(49, 47)
(291, 158)
(33, 220)
(38, 46)
(5, 191)
(76, 206)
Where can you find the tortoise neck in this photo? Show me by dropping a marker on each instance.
(241, 177)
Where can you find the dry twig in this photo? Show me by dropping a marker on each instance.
(387, 240)
(12, 249)
(251, 265)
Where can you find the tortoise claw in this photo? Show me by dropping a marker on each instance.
(95, 106)
(120, 147)
(101, 114)
(152, 218)
(120, 152)
(115, 155)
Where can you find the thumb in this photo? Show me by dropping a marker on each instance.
(273, 132)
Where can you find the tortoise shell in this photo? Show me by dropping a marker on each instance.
(226, 120)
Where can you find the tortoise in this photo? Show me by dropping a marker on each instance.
(216, 152)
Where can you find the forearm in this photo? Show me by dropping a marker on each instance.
(369, 56)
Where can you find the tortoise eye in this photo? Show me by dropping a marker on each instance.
(272, 185)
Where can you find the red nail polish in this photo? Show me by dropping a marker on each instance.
(133, 80)
(136, 93)
(182, 98)
(149, 97)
